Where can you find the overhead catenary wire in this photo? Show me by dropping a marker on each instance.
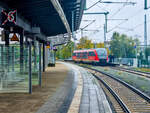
(99, 6)
(125, 20)
(130, 19)
(117, 11)
(138, 12)
(137, 26)
(93, 4)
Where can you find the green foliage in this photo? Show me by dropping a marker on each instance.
(85, 43)
(147, 52)
(123, 46)
(65, 51)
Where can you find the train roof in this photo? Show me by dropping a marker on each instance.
(87, 50)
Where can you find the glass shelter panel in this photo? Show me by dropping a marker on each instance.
(35, 64)
(14, 72)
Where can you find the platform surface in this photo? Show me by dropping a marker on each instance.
(89, 93)
(66, 88)
(85, 94)
(52, 80)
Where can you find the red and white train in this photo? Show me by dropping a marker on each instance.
(96, 56)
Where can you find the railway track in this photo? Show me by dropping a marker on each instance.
(147, 75)
(125, 97)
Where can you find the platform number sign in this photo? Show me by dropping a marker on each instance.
(8, 17)
(54, 48)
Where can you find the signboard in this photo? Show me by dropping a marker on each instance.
(48, 45)
(14, 38)
(8, 17)
(149, 58)
(54, 48)
(135, 46)
(148, 3)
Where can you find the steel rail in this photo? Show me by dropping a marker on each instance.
(118, 99)
(145, 74)
(135, 70)
(137, 91)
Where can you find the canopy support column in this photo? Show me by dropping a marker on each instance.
(40, 78)
(30, 69)
(21, 51)
(43, 57)
(7, 49)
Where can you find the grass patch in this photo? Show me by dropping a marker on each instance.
(143, 69)
(105, 69)
(138, 82)
(119, 73)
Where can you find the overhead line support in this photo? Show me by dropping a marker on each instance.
(145, 5)
(110, 2)
(97, 13)
(105, 25)
(145, 31)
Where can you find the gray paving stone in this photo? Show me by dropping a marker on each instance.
(84, 108)
(93, 98)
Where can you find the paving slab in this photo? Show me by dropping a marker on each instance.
(97, 101)
(93, 99)
(80, 93)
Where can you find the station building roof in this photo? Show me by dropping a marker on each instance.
(42, 13)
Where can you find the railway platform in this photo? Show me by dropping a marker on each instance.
(66, 88)
(80, 93)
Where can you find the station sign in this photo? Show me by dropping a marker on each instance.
(48, 45)
(149, 58)
(54, 48)
(8, 18)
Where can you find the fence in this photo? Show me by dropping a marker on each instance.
(131, 62)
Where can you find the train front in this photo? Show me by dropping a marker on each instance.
(102, 55)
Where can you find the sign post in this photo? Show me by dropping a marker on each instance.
(8, 17)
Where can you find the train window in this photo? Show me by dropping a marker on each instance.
(84, 55)
(81, 55)
(78, 55)
(74, 54)
(91, 54)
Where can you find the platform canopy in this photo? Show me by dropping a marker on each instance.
(43, 14)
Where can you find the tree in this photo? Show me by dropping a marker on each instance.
(123, 46)
(100, 45)
(65, 51)
(85, 43)
(147, 53)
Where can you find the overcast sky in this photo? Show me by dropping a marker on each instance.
(134, 26)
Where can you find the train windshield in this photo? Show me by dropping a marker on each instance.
(102, 53)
